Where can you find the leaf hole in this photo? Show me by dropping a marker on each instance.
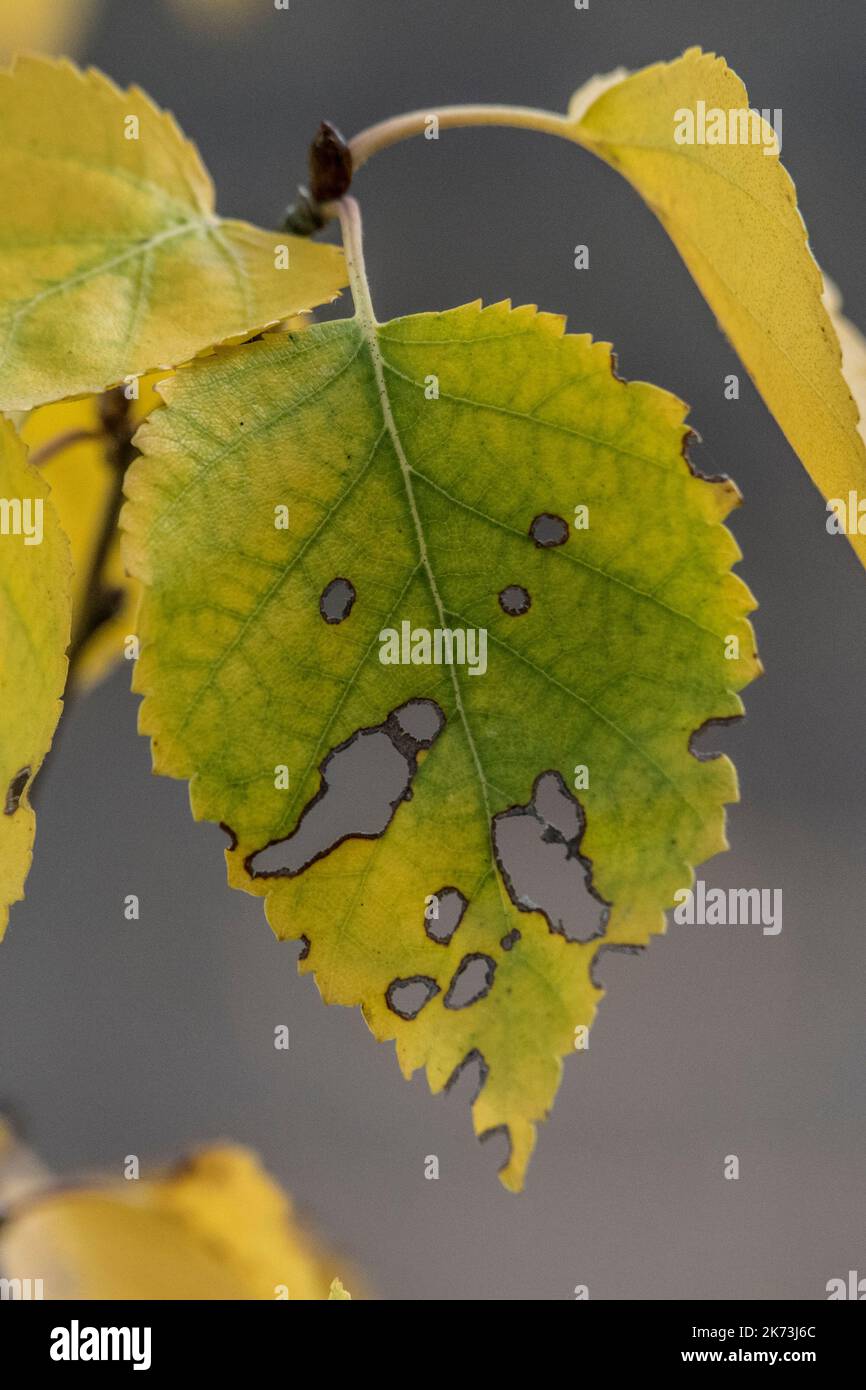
(363, 781)
(475, 1068)
(537, 849)
(548, 530)
(443, 916)
(421, 721)
(473, 979)
(406, 998)
(515, 600)
(697, 735)
(336, 601)
(14, 791)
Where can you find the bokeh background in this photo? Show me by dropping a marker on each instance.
(120, 1037)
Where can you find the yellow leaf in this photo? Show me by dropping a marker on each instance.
(853, 346)
(215, 1227)
(34, 634)
(80, 477)
(43, 26)
(731, 211)
(113, 260)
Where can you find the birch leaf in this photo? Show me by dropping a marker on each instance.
(34, 634)
(216, 1227)
(731, 210)
(112, 259)
(44, 26)
(424, 502)
(80, 477)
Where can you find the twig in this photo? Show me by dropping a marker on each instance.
(100, 602)
(60, 442)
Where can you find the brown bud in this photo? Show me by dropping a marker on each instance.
(330, 165)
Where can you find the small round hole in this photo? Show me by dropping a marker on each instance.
(548, 530)
(336, 601)
(515, 601)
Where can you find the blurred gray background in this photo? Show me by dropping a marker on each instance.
(119, 1037)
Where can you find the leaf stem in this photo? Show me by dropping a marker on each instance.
(397, 128)
(60, 442)
(352, 229)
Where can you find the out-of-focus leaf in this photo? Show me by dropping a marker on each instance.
(853, 346)
(43, 26)
(216, 1227)
(35, 607)
(81, 481)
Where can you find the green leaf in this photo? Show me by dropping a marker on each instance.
(112, 259)
(35, 615)
(731, 210)
(424, 501)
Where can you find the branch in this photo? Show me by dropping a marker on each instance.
(397, 128)
(100, 602)
(60, 442)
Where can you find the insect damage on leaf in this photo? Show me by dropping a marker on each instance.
(139, 272)
(626, 634)
(396, 749)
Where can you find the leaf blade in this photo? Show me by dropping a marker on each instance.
(121, 265)
(527, 420)
(35, 616)
(731, 211)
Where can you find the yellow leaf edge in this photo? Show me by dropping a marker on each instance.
(580, 109)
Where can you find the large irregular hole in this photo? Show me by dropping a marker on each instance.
(444, 914)
(515, 600)
(698, 735)
(548, 530)
(473, 978)
(14, 791)
(363, 782)
(337, 599)
(538, 851)
(406, 998)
